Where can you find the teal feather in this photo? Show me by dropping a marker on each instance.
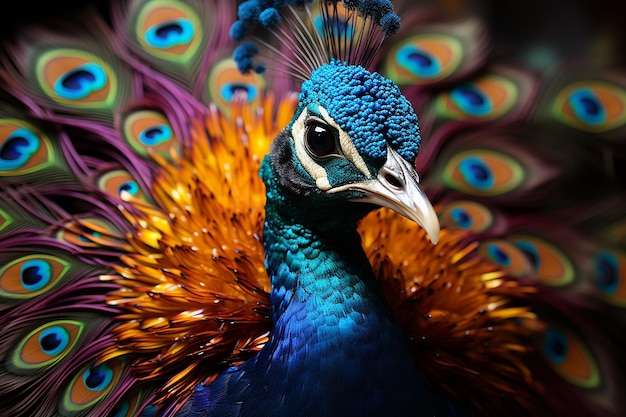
(69, 74)
(312, 268)
(522, 147)
(581, 102)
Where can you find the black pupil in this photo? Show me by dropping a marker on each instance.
(154, 132)
(164, 31)
(320, 141)
(591, 107)
(31, 275)
(10, 151)
(95, 378)
(480, 172)
(421, 59)
(74, 80)
(607, 273)
(501, 255)
(558, 348)
(50, 342)
(472, 96)
(236, 88)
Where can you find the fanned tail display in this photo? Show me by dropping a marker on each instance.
(139, 246)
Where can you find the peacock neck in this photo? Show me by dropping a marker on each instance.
(317, 265)
(315, 268)
(333, 335)
(334, 348)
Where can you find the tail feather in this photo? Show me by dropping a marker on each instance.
(125, 137)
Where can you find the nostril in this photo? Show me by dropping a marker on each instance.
(392, 179)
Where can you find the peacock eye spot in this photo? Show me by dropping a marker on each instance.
(320, 140)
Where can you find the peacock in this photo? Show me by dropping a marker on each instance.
(311, 208)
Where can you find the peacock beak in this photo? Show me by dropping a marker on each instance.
(397, 188)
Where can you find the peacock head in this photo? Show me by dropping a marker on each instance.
(354, 136)
(353, 139)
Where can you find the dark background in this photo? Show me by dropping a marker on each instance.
(543, 29)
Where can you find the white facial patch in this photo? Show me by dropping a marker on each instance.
(315, 170)
(298, 131)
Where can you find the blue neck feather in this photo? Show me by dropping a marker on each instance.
(334, 348)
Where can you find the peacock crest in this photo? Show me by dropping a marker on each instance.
(189, 219)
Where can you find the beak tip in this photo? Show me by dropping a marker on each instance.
(433, 235)
(430, 222)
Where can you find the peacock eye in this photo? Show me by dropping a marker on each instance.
(320, 140)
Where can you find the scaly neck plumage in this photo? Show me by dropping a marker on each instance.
(334, 348)
(334, 343)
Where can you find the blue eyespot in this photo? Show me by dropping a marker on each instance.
(556, 345)
(471, 100)
(476, 173)
(156, 134)
(17, 149)
(607, 272)
(587, 106)
(461, 218)
(35, 274)
(229, 90)
(418, 62)
(530, 251)
(98, 378)
(170, 33)
(130, 187)
(54, 340)
(498, 255)
(81, 81)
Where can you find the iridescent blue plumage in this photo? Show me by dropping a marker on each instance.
(334, 348)
(147, 270)
(369, 107)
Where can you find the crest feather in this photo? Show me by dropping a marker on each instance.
(300, 36)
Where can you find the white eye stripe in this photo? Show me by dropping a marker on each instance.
(318, 172)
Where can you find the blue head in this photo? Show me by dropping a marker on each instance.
(353, 138)
(370, 108)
